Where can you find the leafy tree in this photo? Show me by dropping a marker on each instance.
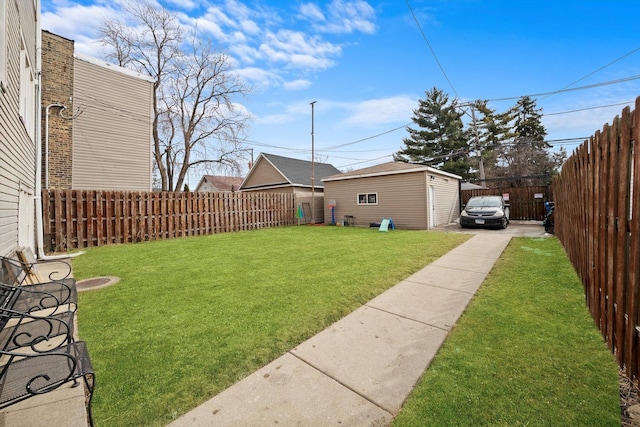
(195, 121)
(490, 130)
(440, 140)
(525, 152)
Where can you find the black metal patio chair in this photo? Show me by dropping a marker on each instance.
(26, 375)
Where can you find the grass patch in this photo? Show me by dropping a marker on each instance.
(192, 316)
(525, 352)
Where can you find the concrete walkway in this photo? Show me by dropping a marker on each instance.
(65, 406)
(360, 370)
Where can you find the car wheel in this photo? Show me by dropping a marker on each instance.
(504, 223)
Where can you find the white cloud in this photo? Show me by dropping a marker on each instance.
(348, 17)
(65, 21)
(184, 4)
(311, 12)
(381, 111)
(259, 76)
(298, 84)
(297, 50)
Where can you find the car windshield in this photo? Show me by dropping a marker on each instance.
(484, 202)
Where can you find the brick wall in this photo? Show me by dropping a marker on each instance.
(57, 87)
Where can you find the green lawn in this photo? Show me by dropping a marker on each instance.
(525, 352)
(192, 316)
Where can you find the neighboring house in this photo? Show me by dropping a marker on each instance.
(413, 196)
(97, 122)
(470, 186)
(215, 183)
(277, 174)
(19, 122)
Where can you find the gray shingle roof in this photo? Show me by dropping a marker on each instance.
(298, 172)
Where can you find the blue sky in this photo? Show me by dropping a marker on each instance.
(367, 63)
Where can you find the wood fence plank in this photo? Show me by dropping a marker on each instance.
(599, 188)
(632, 360)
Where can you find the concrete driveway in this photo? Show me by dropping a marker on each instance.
(515, 228)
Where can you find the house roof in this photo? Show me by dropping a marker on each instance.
(389, 168)
(295, 171)
(221, 183)
(470, 186)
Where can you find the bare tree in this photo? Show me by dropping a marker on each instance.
(195, 121)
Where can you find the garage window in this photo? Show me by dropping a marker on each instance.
(367, 198)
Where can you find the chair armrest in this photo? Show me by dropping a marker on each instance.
(42, 296)
(36, 333)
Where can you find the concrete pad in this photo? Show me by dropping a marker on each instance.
(63, 407)
(466, 262)
(431, 305)
(448, 278)
(483, 245)
(377, 354)
(286, 392)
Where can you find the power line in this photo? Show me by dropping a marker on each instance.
(365, 139)
(433, 53)
(535, 95)
(601, 68)
(587, 108)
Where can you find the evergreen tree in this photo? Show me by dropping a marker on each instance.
(525, 151)
(440, 140)
(489, 130)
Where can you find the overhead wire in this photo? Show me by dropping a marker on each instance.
(601, 68)
(433, 53)
(591, 86)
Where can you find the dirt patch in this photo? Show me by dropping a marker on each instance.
(96, 283)
(629, 401)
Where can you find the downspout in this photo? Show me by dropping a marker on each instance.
(38, 184)
(46, 141)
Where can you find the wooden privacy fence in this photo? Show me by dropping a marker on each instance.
(597, 219)
(84, 218)
(525, 203)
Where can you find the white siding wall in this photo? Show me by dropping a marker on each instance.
(447, 197)
(112, 136)
(17, 148)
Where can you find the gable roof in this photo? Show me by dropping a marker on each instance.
(389, 168)
(221, 183)
(294, 172)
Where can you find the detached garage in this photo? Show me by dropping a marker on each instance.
(415, 196)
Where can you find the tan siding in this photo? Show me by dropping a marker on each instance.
(318, 205)
(17, 150)
(264, 174)
(112, 136)
(286, 190)
(401, 197)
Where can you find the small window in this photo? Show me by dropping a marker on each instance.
(368, 198)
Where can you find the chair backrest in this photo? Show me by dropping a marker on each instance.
(30, 265)
(12, 271)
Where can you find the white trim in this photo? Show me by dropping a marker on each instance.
(27, 90)
(3, 46)
(114, 67)
(396, 172)
(367, 195)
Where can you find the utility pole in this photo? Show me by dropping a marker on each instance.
(478, 149)
(475, 130)
(313, 170)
